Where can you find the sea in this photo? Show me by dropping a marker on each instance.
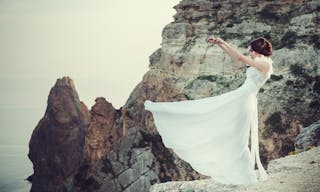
(16, 126)
(15, 167)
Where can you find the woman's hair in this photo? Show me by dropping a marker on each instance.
(261, 45)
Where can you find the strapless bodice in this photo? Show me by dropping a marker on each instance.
(255, 77)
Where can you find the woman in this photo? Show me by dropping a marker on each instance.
(212, 134)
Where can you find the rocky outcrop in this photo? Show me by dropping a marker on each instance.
(104, 130)
(56, 145)
(130, 166)
(309, 137)
(294, 173)
(134, 164)
(75, 149)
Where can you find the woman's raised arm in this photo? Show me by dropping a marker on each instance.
(260, 65)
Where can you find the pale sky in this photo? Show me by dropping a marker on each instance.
(103, 45)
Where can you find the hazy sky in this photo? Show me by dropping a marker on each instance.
(103, 45)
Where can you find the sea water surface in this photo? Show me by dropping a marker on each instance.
(16, 126)
(15, 167)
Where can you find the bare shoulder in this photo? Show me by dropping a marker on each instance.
(264, 59)
(264, 65)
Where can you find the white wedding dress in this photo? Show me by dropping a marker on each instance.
(212, 134)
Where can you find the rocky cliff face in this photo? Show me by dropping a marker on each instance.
(104, 130)
(136, 162)
(74, 149)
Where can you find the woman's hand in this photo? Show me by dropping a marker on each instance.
(217, 41)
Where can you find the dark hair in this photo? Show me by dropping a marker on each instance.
(261, 45)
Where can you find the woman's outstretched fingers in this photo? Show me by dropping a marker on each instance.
(212, 40)
(215, 40)
(219, 40)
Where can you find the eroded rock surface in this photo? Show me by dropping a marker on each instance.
(134, 164)
(104, 130)
(308, 137)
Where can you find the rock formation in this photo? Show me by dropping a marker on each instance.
(130, 166)
(56, 145)
(308, 137)
(134, 164)
(74, 149)
(103, 131)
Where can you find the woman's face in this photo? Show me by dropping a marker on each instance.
(252, 53)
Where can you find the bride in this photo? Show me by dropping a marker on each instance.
(212, 134)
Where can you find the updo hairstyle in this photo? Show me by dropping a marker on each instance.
(262, 46)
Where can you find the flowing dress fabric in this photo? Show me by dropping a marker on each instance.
(212, 134)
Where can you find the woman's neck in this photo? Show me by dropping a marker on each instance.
(258, 56)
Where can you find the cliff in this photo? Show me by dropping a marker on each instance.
(76, 149)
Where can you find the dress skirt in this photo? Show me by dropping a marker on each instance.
(212, 134)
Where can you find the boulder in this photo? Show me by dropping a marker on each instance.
(309, 137)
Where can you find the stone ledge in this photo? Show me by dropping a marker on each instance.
(294, 173)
